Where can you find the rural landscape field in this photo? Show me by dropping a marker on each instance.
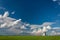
(29, 19)
(29, 37)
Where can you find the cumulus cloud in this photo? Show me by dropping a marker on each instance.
(37, 32)
(54, 32)
(48, 27)
(11, 26)
(6, 14)
(39, 29)
(3, 25)
(47, 23)
(35, 26)
(0, 16)
(57, 28)
(54, 0)
(13, 12)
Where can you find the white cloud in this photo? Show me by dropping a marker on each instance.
(23, 27)
(37, 30)
(6, 14)
(3, 25)
(47, 23)
(15, 26)
(48, 27)
(0, 16)
(35, 26)
(15, 22)
(54, 33)
(54, 0)
(57, 28)
(13, 12)
(10, 24)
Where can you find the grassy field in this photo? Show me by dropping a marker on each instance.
(29, 37)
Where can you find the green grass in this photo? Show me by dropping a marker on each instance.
(29, 37)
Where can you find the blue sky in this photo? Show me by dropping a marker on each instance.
(37, 16)
(32, 11)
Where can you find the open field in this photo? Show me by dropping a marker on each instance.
(29, 37)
